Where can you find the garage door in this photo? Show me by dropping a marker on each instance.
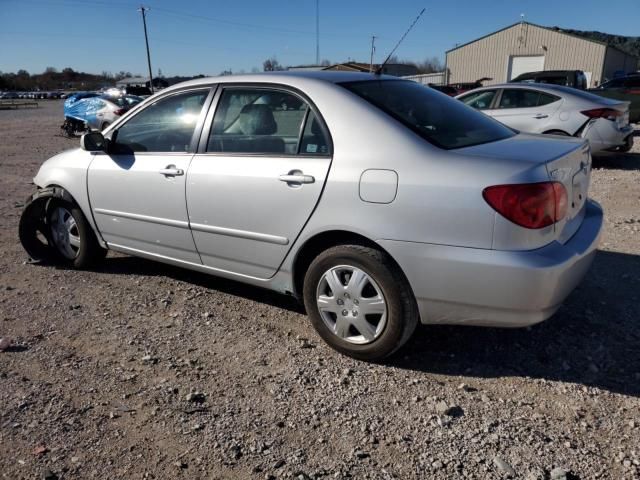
(524, 64)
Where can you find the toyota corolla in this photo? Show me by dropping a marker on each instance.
(378, 202)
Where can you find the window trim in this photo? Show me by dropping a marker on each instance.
(142, 106)
(213, 108)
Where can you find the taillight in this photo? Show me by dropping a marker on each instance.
(608, 113)
(530, 205)
(120, 111)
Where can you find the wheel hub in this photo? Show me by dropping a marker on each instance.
(65, 233)
(351, 304)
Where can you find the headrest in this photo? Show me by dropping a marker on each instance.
(257, 119)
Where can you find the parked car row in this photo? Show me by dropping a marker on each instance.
(557, 110)
(32, 95)
(94, 111)
(626, 88)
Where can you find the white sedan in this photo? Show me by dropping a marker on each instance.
(558, 110)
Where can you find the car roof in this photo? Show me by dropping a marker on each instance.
(293, 78)
(546, 72)
(530, 86)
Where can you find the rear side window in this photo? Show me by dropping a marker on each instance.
(553, 80)
(632, 82)
(546, 99)
(314, 140)
(265, 121)
(479, 100)
(520, 98)
(441, 120)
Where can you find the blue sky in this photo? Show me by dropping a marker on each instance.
(192, 37)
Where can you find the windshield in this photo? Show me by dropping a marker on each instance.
(439, 119)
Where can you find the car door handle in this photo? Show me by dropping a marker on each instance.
(296, 178)
(171, 171)
(541, 115)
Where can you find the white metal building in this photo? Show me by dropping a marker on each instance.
(525, 47)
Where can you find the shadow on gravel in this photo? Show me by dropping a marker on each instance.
(618, 161)
(140, 266)
(593, 340)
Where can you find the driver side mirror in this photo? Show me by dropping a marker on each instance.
(93, 142)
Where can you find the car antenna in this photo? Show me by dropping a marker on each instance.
(379, 69)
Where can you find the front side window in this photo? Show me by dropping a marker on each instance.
(165, 126)
(264, 121)
(553, 80)
(479, 100)
(440, 120)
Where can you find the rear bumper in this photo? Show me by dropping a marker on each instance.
(457, 285)
(604, 134)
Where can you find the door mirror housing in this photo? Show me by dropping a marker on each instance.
(93, 142)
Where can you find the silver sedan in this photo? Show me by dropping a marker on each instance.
(558, 110)
(380, 203)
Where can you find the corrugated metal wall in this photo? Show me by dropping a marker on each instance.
(489, 56)
(428, 78)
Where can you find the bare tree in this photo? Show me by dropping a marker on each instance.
(272, 65)
(430, 65)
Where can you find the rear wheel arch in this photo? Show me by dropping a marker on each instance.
(320, 242)
(557, 132)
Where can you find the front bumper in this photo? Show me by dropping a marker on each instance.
(604, 134)
(458, 285)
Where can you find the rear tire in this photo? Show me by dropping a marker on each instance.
(359, 302)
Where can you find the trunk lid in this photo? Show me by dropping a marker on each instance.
(573, 170)
(566, 160)
(623, 120)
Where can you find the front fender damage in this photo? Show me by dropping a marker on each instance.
(34, 232)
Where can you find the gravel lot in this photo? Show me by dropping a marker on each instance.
(140, 370)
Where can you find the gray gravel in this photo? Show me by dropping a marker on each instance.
(140, 370)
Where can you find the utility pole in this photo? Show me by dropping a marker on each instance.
(144, 10)
(373, 49)
(317, 32)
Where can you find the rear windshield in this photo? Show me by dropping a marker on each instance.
(124, 100)
(441, 120)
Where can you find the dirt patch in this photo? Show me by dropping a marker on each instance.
(140, 370)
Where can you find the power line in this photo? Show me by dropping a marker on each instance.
(230, 22)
